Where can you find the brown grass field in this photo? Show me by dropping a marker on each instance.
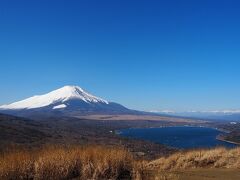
(97, 162)
(199, 158)
(93, 162)
(200, 164)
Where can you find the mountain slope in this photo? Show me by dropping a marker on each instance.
(68, 100)
(19, 131)
(60, 95)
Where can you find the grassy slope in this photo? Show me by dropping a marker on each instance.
(219, 163)
(199, 158)
(67, 163)
(98, 162)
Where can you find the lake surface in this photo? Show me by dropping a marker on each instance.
(180, 137)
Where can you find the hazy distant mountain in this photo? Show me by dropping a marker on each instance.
(68, 100)
(230, 115)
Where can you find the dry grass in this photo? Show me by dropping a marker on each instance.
(69, 163)
(208, 158)
(96, 162)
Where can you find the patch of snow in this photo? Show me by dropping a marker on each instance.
(60, 95)
(61, 106)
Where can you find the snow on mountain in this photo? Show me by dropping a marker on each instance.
(58, 96)
(61, 106)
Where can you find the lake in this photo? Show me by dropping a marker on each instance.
(183, 137)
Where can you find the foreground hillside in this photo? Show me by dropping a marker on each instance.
(97, 162)
(208, 164)
(93, 162)
(202, 158)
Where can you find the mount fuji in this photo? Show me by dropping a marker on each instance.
(68, 101)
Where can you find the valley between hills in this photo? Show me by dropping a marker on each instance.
(57, 135)
(71, 129)
(96, 130)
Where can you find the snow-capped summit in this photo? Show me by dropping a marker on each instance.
(58, 96)
(66, 101)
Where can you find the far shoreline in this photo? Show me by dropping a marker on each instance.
(232, 142)
(119, 132)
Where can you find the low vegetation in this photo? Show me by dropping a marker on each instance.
(69, 163)
(97, 162)
(199, 158)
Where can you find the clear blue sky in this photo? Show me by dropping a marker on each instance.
(172, 54)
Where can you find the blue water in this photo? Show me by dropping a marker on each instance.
(179, 137)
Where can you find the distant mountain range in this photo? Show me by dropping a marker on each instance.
(67, 101)
(230, 115)
(74, 101)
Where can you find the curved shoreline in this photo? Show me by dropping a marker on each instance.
(220, 139)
